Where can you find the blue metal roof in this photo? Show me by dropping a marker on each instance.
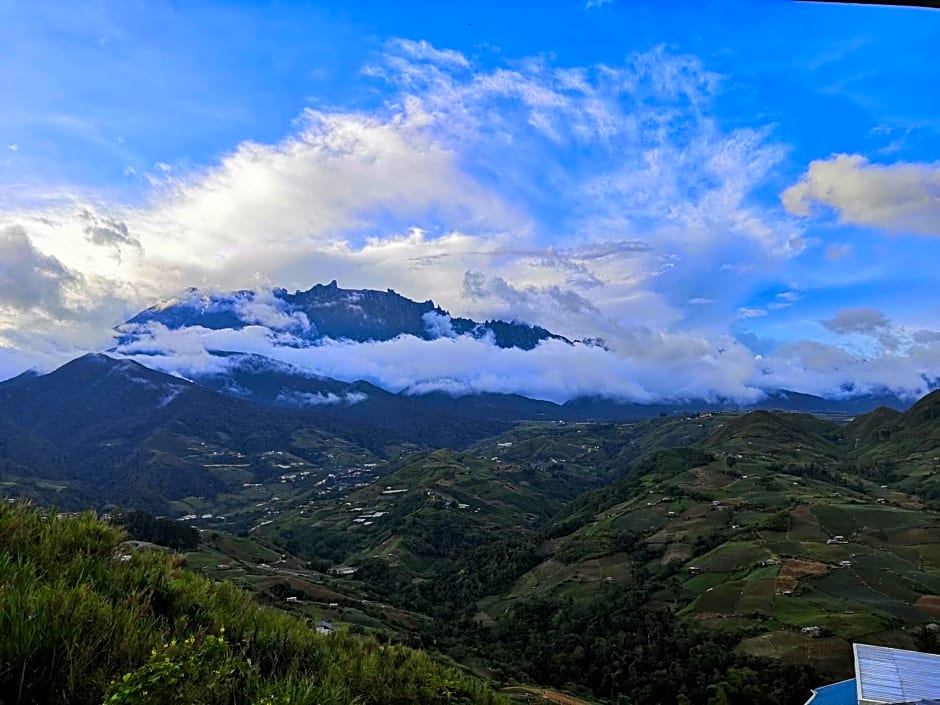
(895, 676)
(843, 693)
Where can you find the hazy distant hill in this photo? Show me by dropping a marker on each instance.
(126, 433)
(328, 312)
(267, 381)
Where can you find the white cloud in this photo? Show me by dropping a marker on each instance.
(874, 325)
(102, 230)
(659, 366)
(592, 4)
(829, 370)
(424, 50)
(334, 199)
(263, 308)
(31, 281)
(452, 190)
(321, 399)
(659, 160)
(899, 198)
(750, 312)
(439, 326)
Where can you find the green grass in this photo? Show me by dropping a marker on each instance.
(756, 598)
(732, 557)
(720, 600)
(700, 583)
(82, 625)
(766, 573)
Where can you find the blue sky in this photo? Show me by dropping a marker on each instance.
(762, 176)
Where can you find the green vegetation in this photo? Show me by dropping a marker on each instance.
(711, 558)
(100, 431)
(720, 553)
(141, 526)
(429, 509)
(86, 620)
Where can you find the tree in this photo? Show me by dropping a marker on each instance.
(927, 641)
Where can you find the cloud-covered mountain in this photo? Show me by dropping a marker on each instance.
(360, 353)
(608, 194)
(328, 312)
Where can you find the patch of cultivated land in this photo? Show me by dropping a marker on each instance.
(929, 604)
(532, 694)
(830, 655)
(779, 565)
(794, 569)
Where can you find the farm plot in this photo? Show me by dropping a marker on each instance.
(793, 570)
(732, 557)
(804, 525)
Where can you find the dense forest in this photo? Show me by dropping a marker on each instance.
(142, 526)
(622, 645)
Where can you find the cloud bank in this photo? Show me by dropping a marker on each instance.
(605, 202)
(660, 367)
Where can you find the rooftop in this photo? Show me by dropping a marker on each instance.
(843, 693)
(885, 676)
(895, 676)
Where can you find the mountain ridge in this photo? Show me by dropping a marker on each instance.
(326, 311)
(129, 432)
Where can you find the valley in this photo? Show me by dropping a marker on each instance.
(571, 555)
(766, 532)
(577, 353)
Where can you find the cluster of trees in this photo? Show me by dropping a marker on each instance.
(620, 647)
(822, 473)
(142, 526)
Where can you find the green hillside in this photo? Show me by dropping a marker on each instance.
(778, 436)
(101, 431)
(771, 536)
(714, 557)
(87, 619)
(429, 507)
(778, 534)
(901, 450)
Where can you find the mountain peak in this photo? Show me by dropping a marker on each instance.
(98, 367)
(327, 311)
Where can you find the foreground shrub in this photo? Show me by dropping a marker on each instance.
(82, 625)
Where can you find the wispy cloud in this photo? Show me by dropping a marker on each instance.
(579, 198)
(456, 152)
